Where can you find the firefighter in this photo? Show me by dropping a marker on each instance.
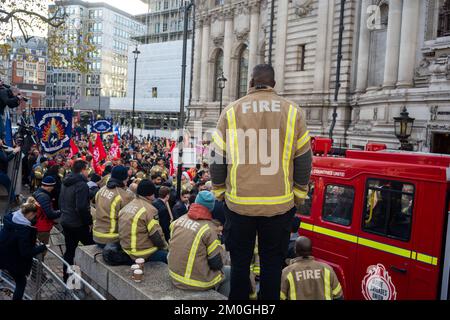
(90, 169)
(261, 194)
(109, 200)
(308, 279)
(40, 171)
(106, 175)
(160, 168)
(195, 259)
(140, 234)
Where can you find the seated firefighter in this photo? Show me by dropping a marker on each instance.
(109, 200)
(195, 259)
(308, 279)
(140, 234)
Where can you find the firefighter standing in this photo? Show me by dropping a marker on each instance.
(40, 171)
(307, 279)
(139, 231)
(260, 197)
(109, 200)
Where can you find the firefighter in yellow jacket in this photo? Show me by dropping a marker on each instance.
(195, 252)
(140, 234)
(260, 165)
(307, 279)
(39, 172)
(109, 200)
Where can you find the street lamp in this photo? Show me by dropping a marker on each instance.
(136, 53)
(54, 95)
(403, 128)
(221, 82)
(99, 99)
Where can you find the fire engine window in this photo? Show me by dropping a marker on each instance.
(338, 206)
(388, 208)
(305, 208)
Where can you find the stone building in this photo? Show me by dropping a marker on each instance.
(395, 54)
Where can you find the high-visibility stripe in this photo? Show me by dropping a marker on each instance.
(300, 193)
(171, 227)
(141, 253)
(219, 141)
(134, 226)
(112, 214)
(234, 149)
(303, 140)
(218, 192)
(105, 235)
(292, 291)
(385, 247)
(336, 234)
(327, 285)
(282, 296)
(249, 201)
(337, 290)
(288, 142)
(196, 283)
(371, 244)
(151, 224)
(213, 246)
(193, 251)
(256, 270)
(253, 296)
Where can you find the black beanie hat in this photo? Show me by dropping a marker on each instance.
(146, 188)
(120, 173)
(95, 177)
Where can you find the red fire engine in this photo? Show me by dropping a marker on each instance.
(380, 218)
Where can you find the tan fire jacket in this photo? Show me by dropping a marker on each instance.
(137, 222)
(191, 244)
(307, 279)
(104, 180)
(260, 136)
(108, 203)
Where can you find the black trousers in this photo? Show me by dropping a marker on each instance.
(72, 237)
(21, 283)
(273, 239)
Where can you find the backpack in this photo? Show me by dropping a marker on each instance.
(113, 255)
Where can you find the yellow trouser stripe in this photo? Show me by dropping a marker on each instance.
(250, 201)
(371, 244)
(282, 296)
(213, 246)
(337, 290)
(196, 283)
(112, 214)
(140, 253)
(327, 285)
(292, 291)
(134, 226)
(193, 251)
(288, 141)
(234, 148)
(152, 224)
(105, 235)
(219, 141)
(303, 140)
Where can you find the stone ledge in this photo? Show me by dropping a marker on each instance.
(116, 281)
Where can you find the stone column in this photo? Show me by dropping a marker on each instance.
(322, 36)
(280, 44)
(363, 50)
(227, 46)
(393, 44)
(408, 42)
(197, 62)
(204, 61)
(253, 38)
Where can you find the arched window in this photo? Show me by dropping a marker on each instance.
(243, 73)
(218, 69)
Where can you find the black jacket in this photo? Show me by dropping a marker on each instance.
(179, 209)
(45, 201)
(7, 98)
(163, 216)
(74, 202)
(18, 247)
(5, 158)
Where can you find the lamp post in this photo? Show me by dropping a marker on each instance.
(136, 53)
(54, 95)
(403, 128)
(99, 100)
(221, 82)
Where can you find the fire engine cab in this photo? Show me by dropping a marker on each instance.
(380, 218)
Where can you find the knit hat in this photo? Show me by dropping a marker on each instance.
(120, 173)
(43, 159)
(206, 199)
(48, 181)
(145, 188)
(95, 177)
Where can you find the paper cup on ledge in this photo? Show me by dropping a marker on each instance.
(140, 262)
(134, 267)
(138, 275)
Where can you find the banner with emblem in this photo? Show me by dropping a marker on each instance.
(102, 126)
(54, 128)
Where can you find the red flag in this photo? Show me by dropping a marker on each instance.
(172, 167)
(114, 151)
(73, 149)
(99, 152)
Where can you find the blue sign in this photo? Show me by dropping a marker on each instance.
(54, 127)
(102, 126)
